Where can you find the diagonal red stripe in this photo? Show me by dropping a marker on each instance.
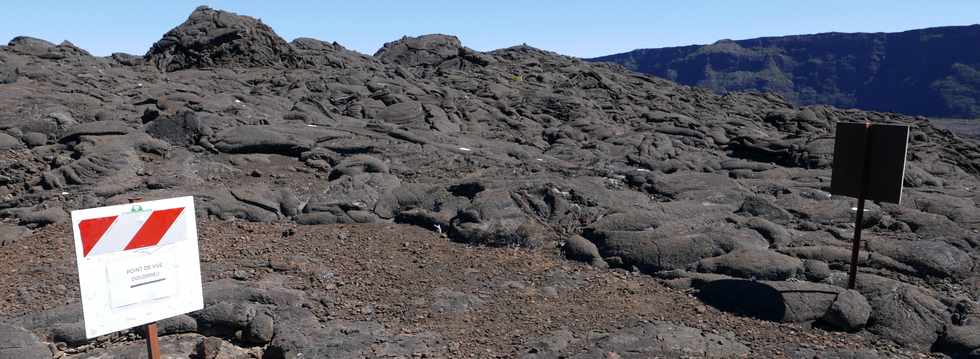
(91, 231)
(154, 228)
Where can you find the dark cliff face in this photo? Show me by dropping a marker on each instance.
(932, 72)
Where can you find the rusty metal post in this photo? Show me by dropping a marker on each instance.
(152, 341)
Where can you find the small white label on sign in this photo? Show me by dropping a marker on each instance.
(141, 279)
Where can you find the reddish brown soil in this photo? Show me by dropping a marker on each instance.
(380, 272)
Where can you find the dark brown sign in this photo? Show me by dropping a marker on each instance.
(883, 159)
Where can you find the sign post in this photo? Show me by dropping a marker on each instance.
(152, 341)
(137, 264)
(876, 153)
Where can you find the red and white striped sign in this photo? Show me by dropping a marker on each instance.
(129, 231)
(137, 263)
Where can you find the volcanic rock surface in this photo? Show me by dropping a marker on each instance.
(304, 143)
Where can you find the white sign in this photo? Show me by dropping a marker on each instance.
(137, 263)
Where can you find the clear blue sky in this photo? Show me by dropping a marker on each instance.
(572, 27)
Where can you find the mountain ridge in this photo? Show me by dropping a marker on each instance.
(931, 72)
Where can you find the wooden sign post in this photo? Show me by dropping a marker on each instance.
(869, 163)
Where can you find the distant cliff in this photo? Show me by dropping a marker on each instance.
(933, 72)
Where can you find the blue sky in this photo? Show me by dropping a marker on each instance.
(572, 27)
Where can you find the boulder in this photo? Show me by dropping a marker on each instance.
(224, 205)
(8, 142)
(416, 201)
(762, 207)
(849, 311)
(841, 255)
(669, 248)
(789, 153)
(580, 249)
(795, 302)
(96, 128)
(958, 209)
(181, 129)
(60, 324)
(909, 315)
(264, 139)
(928, 257)
(34, 139)
(762, 264)
(30, 45)
(225, 318)
(234, 308)
(177, 325)
(960, 341)
(816, 270)
(353, 192)
(281, 201)
(426, 50)
(18, 343)
(915, 176)
(43, 217)
(127, 59)
(10, 234)
(358, 164)
(777, 235)
(928, 225)
(493, 218)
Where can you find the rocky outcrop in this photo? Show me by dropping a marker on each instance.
(516, 147)
(19, 343)
(211, 38)
(659, 339)
(796, 302)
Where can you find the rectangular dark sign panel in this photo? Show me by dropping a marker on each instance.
(886, 166)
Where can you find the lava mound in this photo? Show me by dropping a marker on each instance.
(211, 38)
(423, 50)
